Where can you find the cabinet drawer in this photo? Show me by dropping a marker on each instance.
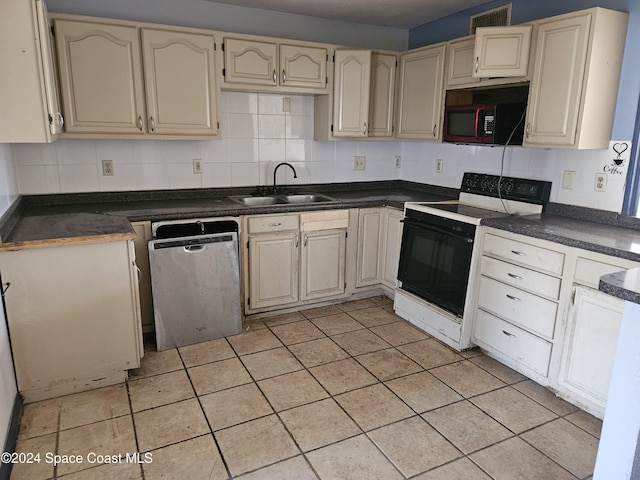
(529, 311)
(324, 220)
(524, 254)
(272, 223)
(588, 272)
(521, 277)
(527, 349)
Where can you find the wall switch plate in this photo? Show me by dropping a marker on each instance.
(439, 165)
(197, 165)
(568, 179)
(359, 162)
(601, 182)
(107, 168)
(397, 161)
(286, 104)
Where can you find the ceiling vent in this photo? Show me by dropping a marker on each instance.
(496, 17)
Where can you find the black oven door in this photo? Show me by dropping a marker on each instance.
(435, 259)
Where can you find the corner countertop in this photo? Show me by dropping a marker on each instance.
(624, 285)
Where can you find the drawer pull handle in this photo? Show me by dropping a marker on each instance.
(516, 252)
(513, 275)
(275, 224)
(511, 297)
(510, 335)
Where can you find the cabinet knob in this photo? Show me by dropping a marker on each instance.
(152, 124)
(140, 122)
(510, 335)
(513, 275)
(516, 252)
(274, 76)
(433, 132)
(284, 76)
(511, 297)
(477, 63)
(364, 129)
(61, 120)
(306, 238)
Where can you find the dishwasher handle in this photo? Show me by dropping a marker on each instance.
(193, 244)
(194, 248)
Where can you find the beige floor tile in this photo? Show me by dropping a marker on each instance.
(206, 352)
(195, 459)
(514, 410)
(429, 353)
(159, 390)
(462, 469)
(382, 301)
(154, 363)
(34, 470)
(388, 364)
(546, 397)
(318, 312)
(354, 459)
(255, 444)
(108, 471)
(169, 424)
(422, 391)
(466, 378)
(292, 390)
(466, 426)
(295, 468)
(110, 437)
(427, 449)
(212, 377)
(399, 333)
(251, 324)
(283, 318)
(270, 363)
(94, 406)
(566, 444)
(514, 458)
(360, 342)
(342, 376)
(497, 369)
(318, 352)
(586, 421)
(472, 352)
(297, 332)
(318, 424)
(357, 305)
(336, 324)
(372, 317)
(234, 405)
(40, 418)
(254, 341)
(374, 406)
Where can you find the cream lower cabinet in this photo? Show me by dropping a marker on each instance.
(322, 271)
(74, 316)
(117, 78)
(370, 239)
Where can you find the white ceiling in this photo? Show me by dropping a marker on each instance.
(403, 14)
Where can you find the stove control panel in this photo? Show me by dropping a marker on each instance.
(508, 188)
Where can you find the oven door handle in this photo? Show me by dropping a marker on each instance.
(435, 228)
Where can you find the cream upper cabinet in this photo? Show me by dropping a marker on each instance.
(575, 79)
(180, 82)
(118, 79)
(255, 62)
(420, 94)
(352, 83)
(460, 62)
(322, 269)
(502, 51)
(29, 92)
(382, 89)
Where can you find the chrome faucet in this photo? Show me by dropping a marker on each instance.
(295, 175)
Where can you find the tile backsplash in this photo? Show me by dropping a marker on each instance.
(257, 135)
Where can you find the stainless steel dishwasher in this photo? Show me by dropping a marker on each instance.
(195, 280)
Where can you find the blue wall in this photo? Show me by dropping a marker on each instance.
(457, 25)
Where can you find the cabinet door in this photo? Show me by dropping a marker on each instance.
(502, 51)
(323, 263)
(420, 94)
(351, 93)
(303, 66)
(100, 77)
(556, 86)
(143, 235)
(273, 269)
(460, 62)
(383, 85)
(180, 82)
(250, 62)
(369, 259)
(592, 327)
(391, 246)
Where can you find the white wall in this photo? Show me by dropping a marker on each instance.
(8, 193)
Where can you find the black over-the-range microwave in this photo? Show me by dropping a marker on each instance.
(489, 124)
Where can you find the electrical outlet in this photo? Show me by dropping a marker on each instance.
(359, 162)
(286, 104)
(601, 182)
(398, 158)
(439, 165)
(107, 168)
(568, 179)
(197, 165)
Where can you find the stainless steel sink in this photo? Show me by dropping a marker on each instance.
(301, 199)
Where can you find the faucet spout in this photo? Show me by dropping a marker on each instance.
(275, 170)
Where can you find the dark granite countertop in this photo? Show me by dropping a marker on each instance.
(624, 285)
